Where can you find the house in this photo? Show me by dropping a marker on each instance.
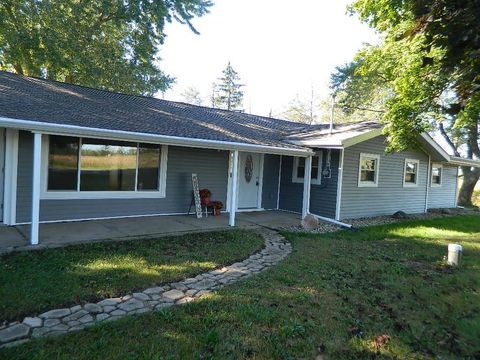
(77, 153)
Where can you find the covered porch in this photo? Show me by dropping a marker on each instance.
(67, 233)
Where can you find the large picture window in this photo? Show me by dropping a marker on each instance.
(299, 169)
(85, 165)
(368, 170)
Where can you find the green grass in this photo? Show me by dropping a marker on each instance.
(335, 295)
(35, 281)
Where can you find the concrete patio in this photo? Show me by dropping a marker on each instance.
(65, 233)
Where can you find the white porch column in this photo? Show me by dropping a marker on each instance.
(233, 194)
(307, 179)
(10, 184)
(37, 157)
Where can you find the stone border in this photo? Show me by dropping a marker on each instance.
(61, 321)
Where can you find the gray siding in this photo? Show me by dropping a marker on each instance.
(271, 167)
(444, 196)
(210, 165)
(390, 195)
(323, 197)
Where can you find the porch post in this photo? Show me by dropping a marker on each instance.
(10, 183)
(37, 155)
(306, 186)
(233, 194)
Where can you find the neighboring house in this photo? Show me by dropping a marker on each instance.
(76, 153)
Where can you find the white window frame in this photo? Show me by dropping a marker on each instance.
(440, 166)
(77, 194)
(377, 170)
(314, 181)
(416, 161)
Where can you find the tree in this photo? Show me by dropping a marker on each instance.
(106, 44)
(227, 94)
(427, 71)
(191, 95)
(302, 110)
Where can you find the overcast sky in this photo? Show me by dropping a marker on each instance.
(279, 48)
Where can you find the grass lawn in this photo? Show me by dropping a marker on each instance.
(381, 292)
(35, 281)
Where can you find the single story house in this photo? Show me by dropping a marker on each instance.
(76, 153)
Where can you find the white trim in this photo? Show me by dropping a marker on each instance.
(376, 157)
(260, 181)
(279, 181)
(456, 189)
(455, 160)
(299, 180)
(436, 146)
(81, 131)
(307, 186)
(427, 183)
(417, 173)
(339, 185)
(361, 138)
(229, 180)
(233, 205)
(36, 187)
(334, 221)
(440, 166)
(10, 183)
(78, 195)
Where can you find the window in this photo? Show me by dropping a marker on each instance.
(299, 169)
(368, 170)
(437, 171)
(63, 163)
(410, 177)
(95, 166)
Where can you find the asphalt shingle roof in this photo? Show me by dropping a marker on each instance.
(34, 99)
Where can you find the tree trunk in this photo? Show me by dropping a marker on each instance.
(470, 179)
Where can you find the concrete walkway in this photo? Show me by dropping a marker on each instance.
(66, 233)
(61, 321)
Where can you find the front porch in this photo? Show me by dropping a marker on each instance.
(65, 233)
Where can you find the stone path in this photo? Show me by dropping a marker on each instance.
(61, 321)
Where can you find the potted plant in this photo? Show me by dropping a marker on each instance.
(205, 195)
(217, 206)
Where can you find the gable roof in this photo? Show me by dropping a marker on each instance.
(72, 106)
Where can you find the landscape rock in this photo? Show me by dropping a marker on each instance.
(154, 290)
(173, 294)
(55, 314)
(309, 222)
(33, 322)
(93, 308)
(14, 332)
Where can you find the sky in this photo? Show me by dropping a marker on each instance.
(280, 49)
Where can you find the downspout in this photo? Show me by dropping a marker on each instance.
(332, 112)
(279, 181)
(339, 185)
(428, 183)
(333, 221)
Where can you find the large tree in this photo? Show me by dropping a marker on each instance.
(428, 70)
(110, 44)
(227, 93)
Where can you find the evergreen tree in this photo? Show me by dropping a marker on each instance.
(227, 94)
(191, 95)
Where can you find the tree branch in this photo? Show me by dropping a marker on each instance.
(447, 139)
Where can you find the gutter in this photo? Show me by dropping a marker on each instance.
(459, 161)
(62, 129)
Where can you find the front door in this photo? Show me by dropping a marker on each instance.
(2, 171)
(249, 180)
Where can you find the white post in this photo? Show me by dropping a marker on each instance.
(339, 185)
(37, 156)
(10, 190)
(233, 194)
(307, 179)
